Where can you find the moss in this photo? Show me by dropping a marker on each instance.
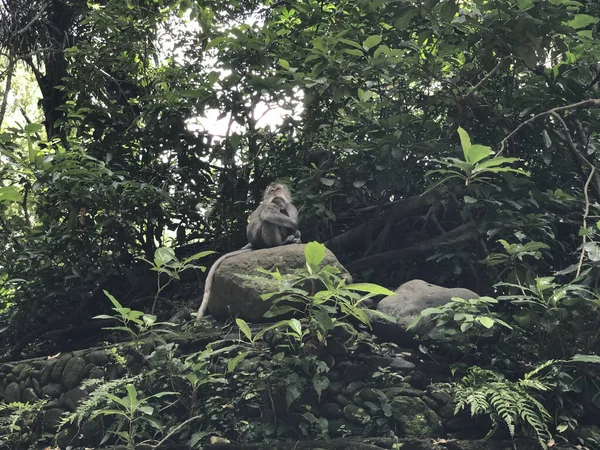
(415, 418)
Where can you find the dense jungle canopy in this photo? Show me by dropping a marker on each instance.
(454, 141)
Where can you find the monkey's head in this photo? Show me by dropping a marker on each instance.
(277, 191)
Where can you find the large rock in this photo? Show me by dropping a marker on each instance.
(406, 304)
(232, 295)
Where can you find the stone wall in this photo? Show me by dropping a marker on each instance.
(59, 379)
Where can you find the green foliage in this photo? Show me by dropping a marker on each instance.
(20, 424)
(137, 324)
(478, 164)
(324, 309)
(165, 262)
(462, 322)
(130, 410)
(512, 404)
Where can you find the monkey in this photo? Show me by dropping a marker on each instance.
(273, 223)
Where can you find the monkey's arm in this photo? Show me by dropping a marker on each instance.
(271, 214)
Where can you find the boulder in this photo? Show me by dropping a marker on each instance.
(232, 295)
(406, 304)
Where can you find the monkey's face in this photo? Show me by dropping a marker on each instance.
(277, 191)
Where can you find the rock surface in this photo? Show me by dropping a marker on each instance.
(409, 300)
(232, 295)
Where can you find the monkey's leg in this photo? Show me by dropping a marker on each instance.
(293, 238)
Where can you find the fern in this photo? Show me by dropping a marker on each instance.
(509, 403)
(97, 399)
(17, 420)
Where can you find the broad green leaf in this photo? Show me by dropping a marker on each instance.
(295, 325)
(163, 255)
(582, 21)
(33, 128)
(370, 288)
(371, 41)
(497, 161)
(430, 311)
(364, 96)
(196, 256)
(594, 359)
(524, 4)
(233, 363)
(314, 252)
(112, 299)
(477, 152)
(354, 52)
(487, 322)
(351, 44)
(10, 194)
(465, 141)
(466, 326)
(241, 323)
(146, 409)
(320, 383)
(284, 63)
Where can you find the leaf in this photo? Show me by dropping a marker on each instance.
(594, 359)
(365, 96)
(33, 127)
(524, 5)
(468, 199)
(465, 141)
(241, 323)
(163, 255)
(371, 41)
(327, 182)
(547, 140)
(196, 256)
(354, 52)
(112, 299)
(351, 44)
(320, 383)
(582, 21)
(295, 325)
(233, 363)
(284, 63)
(487, 322)
(314, 252)
(370, 288)
(10, 194)
(292, 392)
(477, 152)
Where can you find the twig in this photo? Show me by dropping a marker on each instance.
(585, 215)
(592, 103)
(577, 156)
(484, 79)
(171, 433)
(9, 77)
(34, 20)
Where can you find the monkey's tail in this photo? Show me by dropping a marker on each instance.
(210, 276)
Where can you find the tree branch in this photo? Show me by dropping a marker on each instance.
(593, 103)
(577, 156)
(484, 79)
(468, 231)
(9, 75)
(356, 237)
